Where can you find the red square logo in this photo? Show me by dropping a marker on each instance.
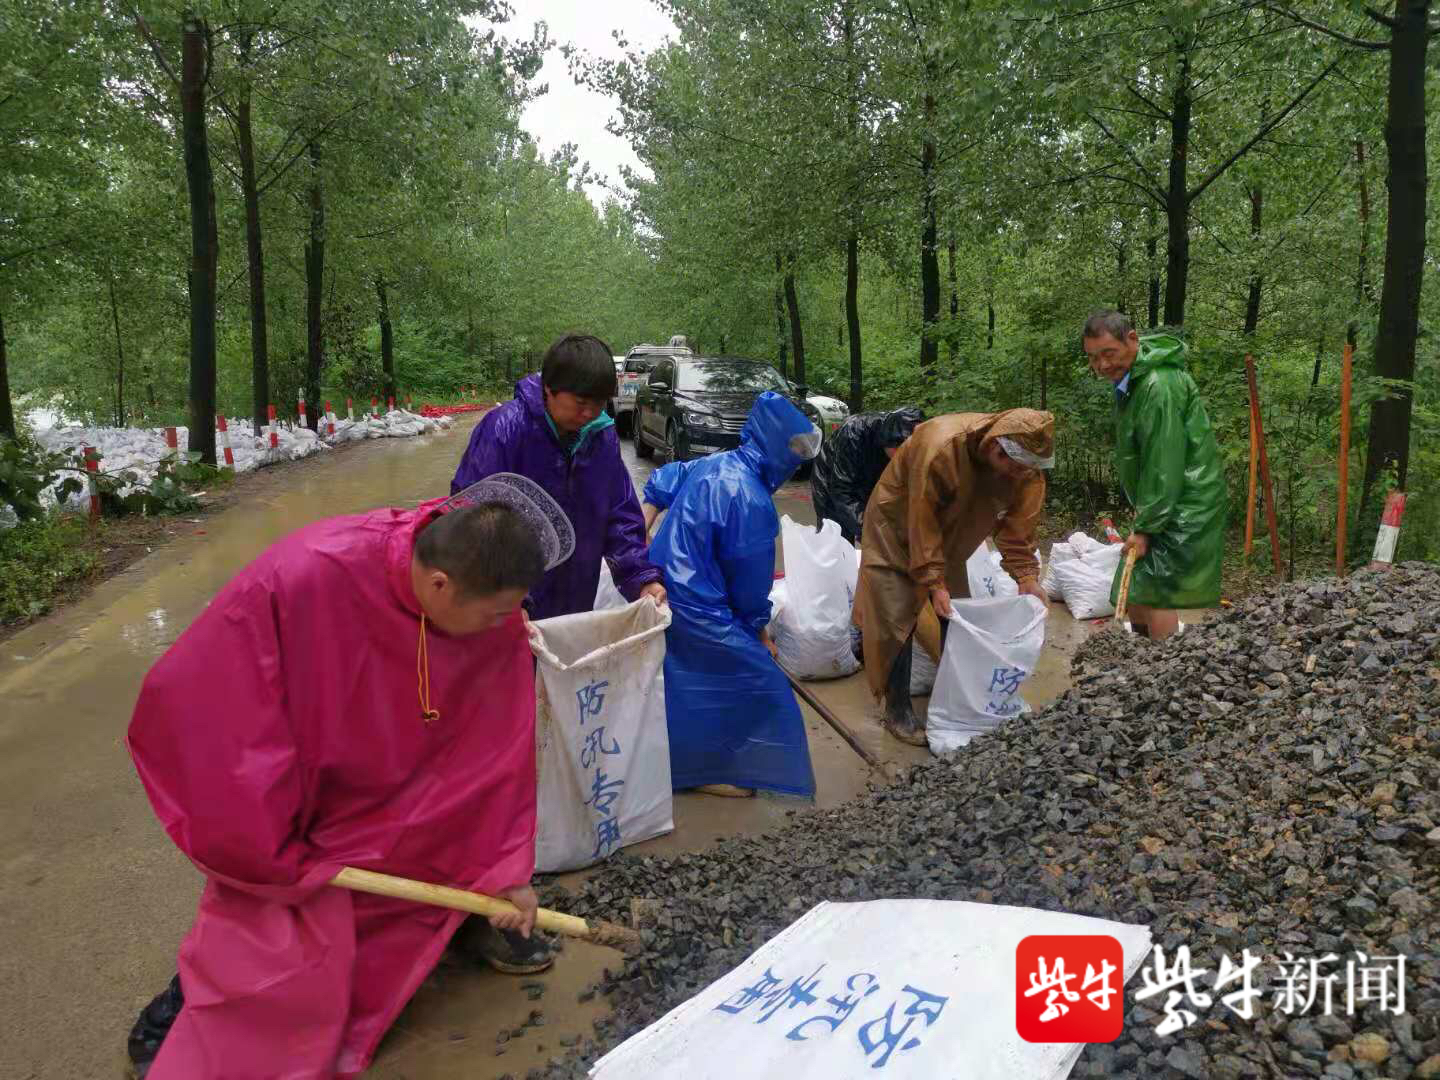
(1069, 988)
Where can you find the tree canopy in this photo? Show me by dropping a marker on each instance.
(892, 200)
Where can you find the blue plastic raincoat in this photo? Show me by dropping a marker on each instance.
(732, 715)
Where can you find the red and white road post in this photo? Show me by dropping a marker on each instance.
(274, 437)
(1389, 534)
(92, 468)
(225, 441)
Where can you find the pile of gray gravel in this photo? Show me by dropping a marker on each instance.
(1268, 781)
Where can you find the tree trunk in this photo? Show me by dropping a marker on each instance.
(387, 337)
(1389, 447)
(1177, 199)
(952, 335)
(852, 319)
(1120, 304)
(1151, 255)
(314, 292)
(194, 74)
(852, 239)
(255, 261)
(797, 333)
(119, 357)
(1252, 301)
(990, 323)
(1364, 292)
(929, 259)
(7, 411)
(780, 318)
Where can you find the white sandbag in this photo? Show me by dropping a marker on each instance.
(812, 632)
(601, 745)
(992, 646)
(778, 601)
(1060, 551)
(607, 596)
(922, 670)
(1083, 544)
(987, 579)
(1085, 582)
(908, 989)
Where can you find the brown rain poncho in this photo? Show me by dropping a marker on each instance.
(935, 504)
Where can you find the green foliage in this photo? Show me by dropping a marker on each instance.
(41, 559)
(1040, 133)
(25, 471)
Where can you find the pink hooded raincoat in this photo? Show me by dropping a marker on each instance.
(281, 738)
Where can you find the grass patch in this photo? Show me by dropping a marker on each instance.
(40, 562)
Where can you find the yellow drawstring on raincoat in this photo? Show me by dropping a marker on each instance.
(422, 675)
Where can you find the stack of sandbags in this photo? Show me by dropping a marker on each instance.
(1079, 572)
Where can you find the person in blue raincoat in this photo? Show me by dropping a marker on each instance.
(734, 724)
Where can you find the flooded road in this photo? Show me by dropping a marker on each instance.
(94, 899)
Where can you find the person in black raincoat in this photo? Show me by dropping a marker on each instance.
(850, 464)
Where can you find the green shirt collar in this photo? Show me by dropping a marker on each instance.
(581, 437)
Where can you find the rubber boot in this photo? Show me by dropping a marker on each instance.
(150, 1029)
(504, 950)
(900, 719)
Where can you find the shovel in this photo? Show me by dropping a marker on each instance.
(422, 892)
(1123, 596)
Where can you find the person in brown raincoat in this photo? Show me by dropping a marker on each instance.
(957, 480)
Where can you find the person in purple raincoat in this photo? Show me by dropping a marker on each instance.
(555, 431)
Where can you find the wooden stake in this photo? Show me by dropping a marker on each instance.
(1269, 488)
(1341, 513)
(1250, 496)
(1122, 598)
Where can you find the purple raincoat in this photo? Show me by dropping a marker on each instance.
(592, 486)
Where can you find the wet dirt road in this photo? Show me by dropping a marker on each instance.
(94, 899)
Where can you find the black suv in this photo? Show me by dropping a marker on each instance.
(692, 406)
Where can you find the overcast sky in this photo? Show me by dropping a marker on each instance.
(568, 113)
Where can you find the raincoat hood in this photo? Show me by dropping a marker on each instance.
(1031, 428)
(895, 427)
(1158, 351)
(777, 439)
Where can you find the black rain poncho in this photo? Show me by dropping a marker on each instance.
(850, 464)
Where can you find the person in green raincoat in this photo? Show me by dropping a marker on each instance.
(1169, 464)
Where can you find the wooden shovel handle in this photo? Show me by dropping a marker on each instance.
(422, 892)
(1124, 595)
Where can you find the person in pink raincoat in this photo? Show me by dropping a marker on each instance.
(361, 695)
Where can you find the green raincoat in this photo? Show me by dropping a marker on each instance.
(1169, 464)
